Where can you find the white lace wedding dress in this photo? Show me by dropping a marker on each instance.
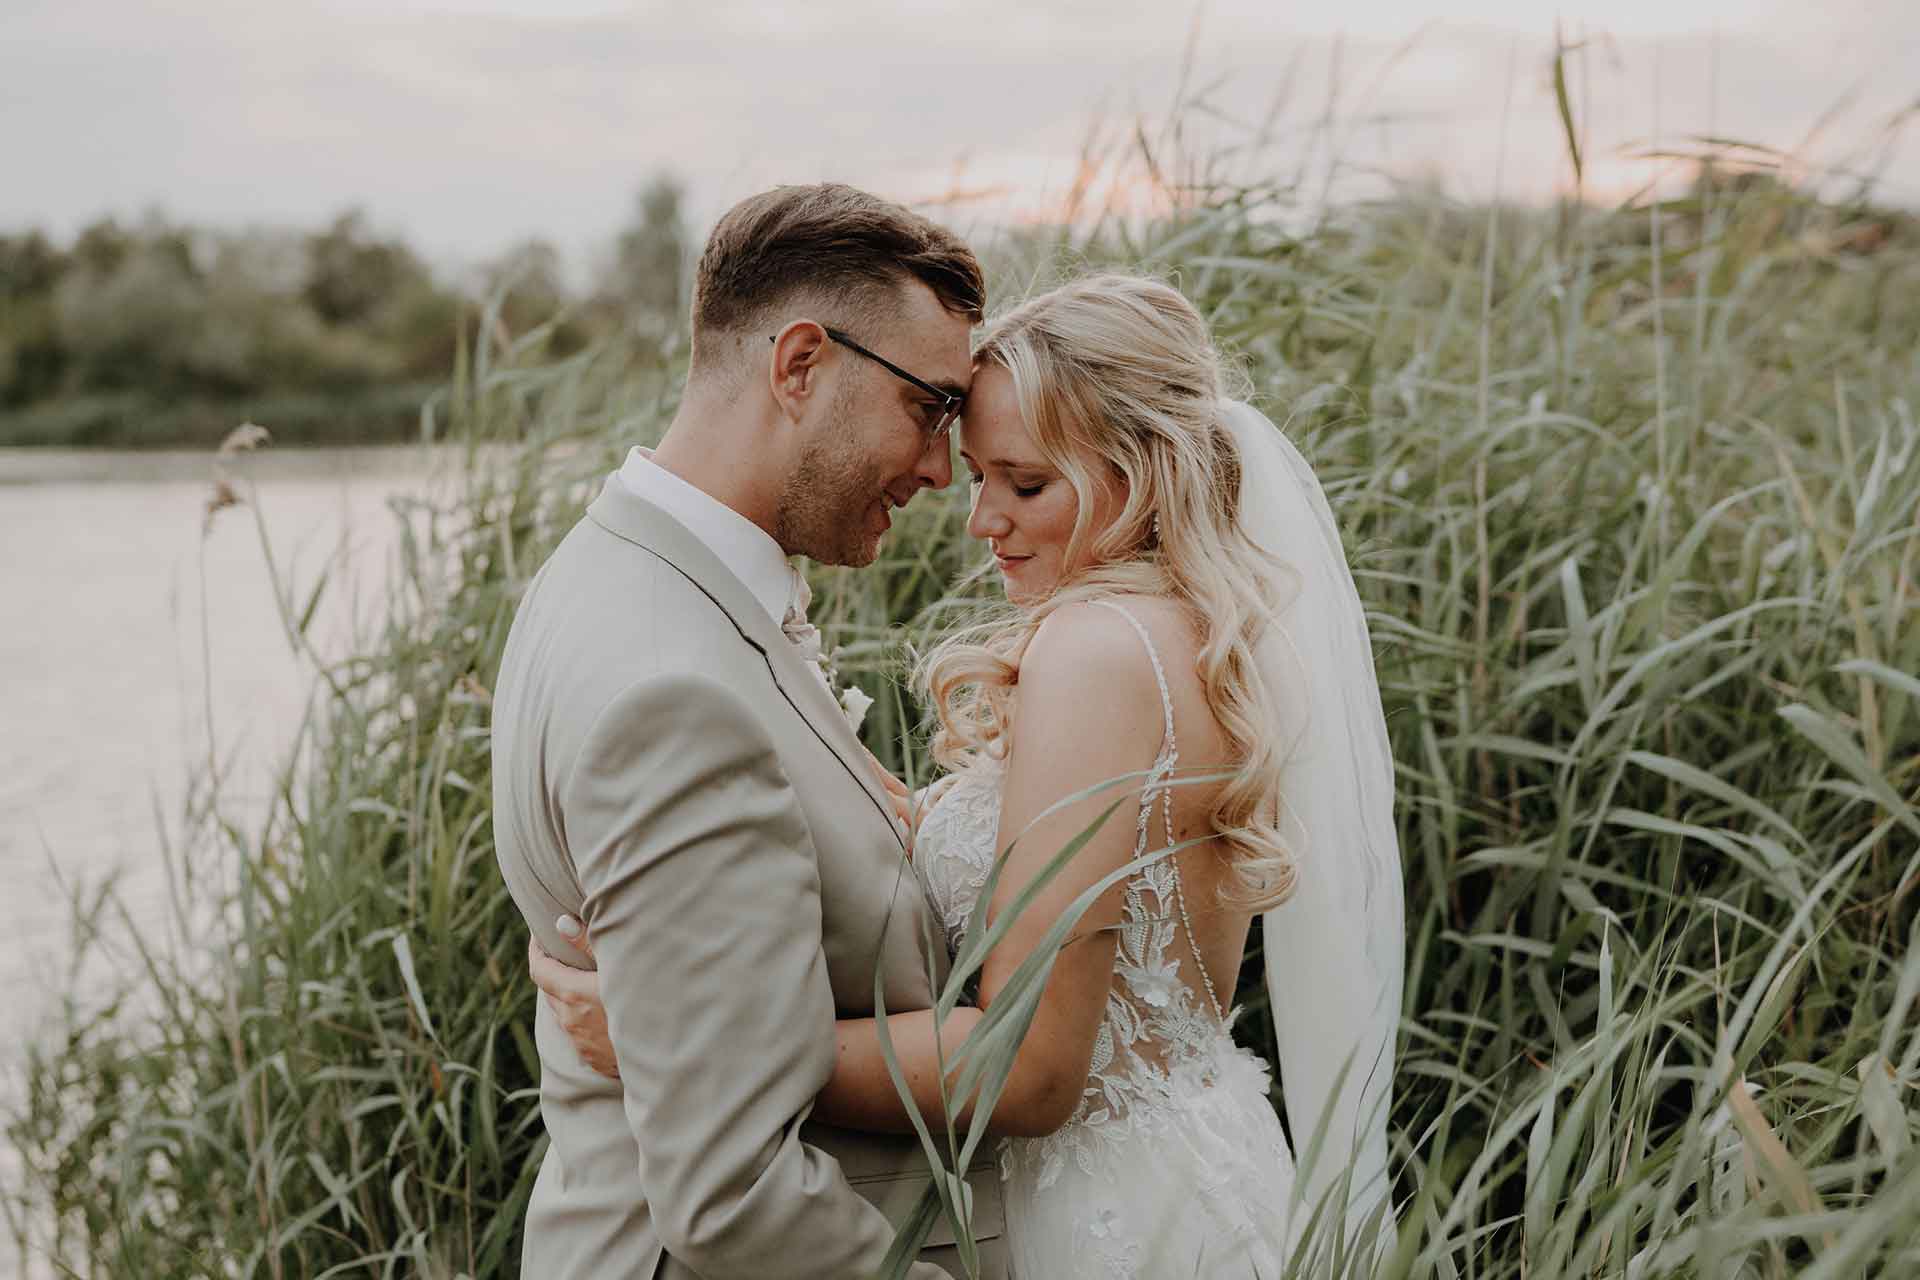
(1174, 1164)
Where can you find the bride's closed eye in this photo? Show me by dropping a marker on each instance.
(1019, 490)
(1032, 489)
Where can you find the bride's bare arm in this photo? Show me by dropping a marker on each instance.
(1089, 712)
(861, 1094)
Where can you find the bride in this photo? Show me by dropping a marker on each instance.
(1183, 617)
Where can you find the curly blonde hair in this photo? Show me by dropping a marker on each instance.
(1121, 385)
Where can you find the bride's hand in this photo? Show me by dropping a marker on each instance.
(898, 794)
(574, 997)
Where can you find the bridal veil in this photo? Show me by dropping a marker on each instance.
(1335, 951)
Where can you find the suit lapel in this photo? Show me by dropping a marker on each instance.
(626, 515)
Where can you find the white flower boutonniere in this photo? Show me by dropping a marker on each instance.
(855, 702)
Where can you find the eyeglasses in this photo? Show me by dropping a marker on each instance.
(936, 418)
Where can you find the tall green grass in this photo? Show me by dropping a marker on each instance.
(1636, 516)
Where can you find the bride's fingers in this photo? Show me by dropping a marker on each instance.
(540, 968)
(903, 815)
(573, 997)
(898, 795)
(893, 785)
(574, 932)
(563, 982)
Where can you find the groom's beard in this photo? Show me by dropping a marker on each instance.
(827, 500)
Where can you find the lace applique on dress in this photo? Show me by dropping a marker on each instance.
(955, 844)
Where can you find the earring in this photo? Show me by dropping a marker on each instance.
(1156, 528)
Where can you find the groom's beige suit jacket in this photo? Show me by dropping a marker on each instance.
(666, 766)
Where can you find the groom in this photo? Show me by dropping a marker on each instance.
(670, 766)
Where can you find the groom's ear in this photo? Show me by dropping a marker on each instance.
(793, 374)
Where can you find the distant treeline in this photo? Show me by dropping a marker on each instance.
(157, 333)
(161, 334)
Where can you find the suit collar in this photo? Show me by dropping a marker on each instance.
(629, 517)
(748, 551)
(632, 518)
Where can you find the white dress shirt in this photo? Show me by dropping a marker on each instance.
(748, 551)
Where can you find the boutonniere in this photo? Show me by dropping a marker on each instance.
(805, 637)
(853, 700)
(855, 703)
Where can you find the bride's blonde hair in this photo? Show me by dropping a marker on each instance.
(1119, 381)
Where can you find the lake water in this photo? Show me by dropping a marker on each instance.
(137, 641)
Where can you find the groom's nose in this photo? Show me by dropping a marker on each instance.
(935, 468)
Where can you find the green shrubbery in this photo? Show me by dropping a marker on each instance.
(161, 334)
(1638, 534)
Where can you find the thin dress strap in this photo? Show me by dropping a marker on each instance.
(1158, 788)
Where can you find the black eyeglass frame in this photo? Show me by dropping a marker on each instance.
(950, 403)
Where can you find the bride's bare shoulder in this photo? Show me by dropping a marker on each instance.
(1086, 693)
(1112, 664)
(1171, 623)
(1077, 635)
(1092, 642)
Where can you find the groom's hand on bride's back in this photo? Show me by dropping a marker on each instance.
(573, 996)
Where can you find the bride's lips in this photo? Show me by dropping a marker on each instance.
(1008, 563)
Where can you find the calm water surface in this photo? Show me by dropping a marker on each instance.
(134, 646)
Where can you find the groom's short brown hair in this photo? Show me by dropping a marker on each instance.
(844, 244)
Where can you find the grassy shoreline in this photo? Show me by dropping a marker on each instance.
(1636, 516)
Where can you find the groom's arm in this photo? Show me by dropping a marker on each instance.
(703, 906)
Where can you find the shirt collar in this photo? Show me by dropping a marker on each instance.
(748, 551)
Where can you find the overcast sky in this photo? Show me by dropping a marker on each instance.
(466, 125)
